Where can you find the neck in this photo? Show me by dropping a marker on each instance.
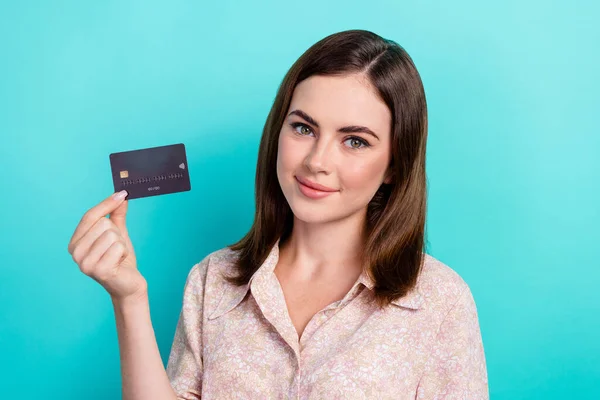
(324, 251)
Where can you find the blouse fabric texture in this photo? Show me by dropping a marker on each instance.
(240, 343)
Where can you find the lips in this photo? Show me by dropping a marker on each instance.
(314, 185)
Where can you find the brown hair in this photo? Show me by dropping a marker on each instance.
(395, 226)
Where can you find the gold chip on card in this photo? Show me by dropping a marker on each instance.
(124, 174)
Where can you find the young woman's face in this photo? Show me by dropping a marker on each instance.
(336, 134)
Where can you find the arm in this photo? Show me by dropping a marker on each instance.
(142, 372)
(456, 368)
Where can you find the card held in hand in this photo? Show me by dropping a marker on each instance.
(151, 171)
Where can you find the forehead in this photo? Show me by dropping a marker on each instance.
(335, 101)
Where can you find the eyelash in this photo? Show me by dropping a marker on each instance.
(364, 143)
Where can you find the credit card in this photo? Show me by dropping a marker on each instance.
(151, 172)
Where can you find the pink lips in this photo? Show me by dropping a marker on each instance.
(313, 190)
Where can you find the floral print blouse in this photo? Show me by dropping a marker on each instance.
(239, 342)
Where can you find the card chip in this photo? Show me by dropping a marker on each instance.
(124, 174)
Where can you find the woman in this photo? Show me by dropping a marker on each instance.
(330, 295)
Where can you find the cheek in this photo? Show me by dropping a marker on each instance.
(290, 154)
(362, 177)
(285, 163)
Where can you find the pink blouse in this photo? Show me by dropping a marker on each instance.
(240, 343)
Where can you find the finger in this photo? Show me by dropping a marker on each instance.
(102, 209)
(119, 214)
(82, 247)
(111, 259)
(98, 248)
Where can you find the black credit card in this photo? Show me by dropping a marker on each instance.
(151, 172)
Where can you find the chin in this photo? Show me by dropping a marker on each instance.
(317, 214)
(310, 213)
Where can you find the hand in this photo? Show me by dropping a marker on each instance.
(102, 249)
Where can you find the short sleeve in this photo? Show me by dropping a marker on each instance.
(456, 368)
(184, 367)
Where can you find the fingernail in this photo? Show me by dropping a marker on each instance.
(120, 195)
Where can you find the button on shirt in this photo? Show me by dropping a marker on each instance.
(240, 343)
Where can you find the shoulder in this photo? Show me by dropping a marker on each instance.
(440, 285)
(205, 285)
(209, 271)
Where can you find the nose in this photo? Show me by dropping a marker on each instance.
(320, 157)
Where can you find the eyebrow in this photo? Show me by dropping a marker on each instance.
(345, 129)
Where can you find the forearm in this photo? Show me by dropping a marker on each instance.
(142, 372)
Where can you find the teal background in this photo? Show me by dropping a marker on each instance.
(513, 167)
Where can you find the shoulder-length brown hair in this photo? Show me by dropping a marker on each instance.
(395, 226)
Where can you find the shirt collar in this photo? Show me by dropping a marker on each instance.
(412, 300)
(233, 295)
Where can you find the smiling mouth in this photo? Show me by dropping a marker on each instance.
(314, 185)
(311, 192)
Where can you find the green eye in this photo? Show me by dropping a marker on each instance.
(304, 129)
(356, 143)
